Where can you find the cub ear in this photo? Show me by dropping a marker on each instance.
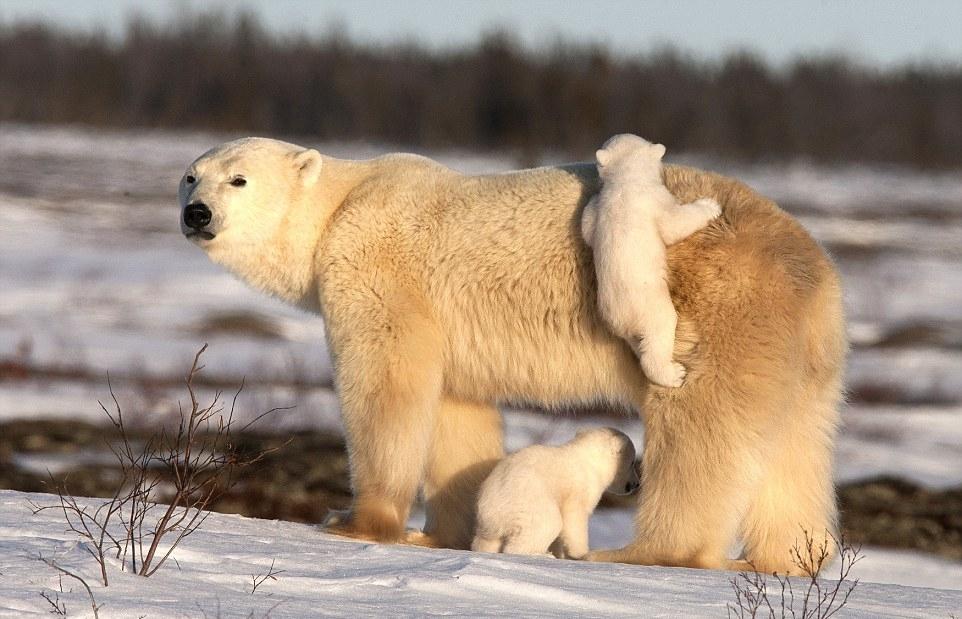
(603, 157)
(659, 150)
(308, 165)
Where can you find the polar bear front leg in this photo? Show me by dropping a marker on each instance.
(678, 223)
(388, 374)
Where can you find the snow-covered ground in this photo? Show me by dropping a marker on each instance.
(95, 275)
(321, 575)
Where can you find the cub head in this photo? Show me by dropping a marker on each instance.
(629, 151)
(235, 197)
(616, 446)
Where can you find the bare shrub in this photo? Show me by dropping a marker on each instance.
(258, 580)
(819, 599)
(198, 460)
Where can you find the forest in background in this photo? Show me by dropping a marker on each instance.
(211, 72)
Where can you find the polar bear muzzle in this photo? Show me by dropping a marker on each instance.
(196, 217)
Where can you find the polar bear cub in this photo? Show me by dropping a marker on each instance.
(540, 497)
(628, 225)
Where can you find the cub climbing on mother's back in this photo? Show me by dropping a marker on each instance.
(628, 225)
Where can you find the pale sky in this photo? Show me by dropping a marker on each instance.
(884, 32)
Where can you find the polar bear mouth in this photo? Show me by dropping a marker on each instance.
(202, 234)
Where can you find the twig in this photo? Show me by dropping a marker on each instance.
(59, 608)
(259, 580)
(66, 572)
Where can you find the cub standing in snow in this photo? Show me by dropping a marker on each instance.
(541, 497)
(628, 225)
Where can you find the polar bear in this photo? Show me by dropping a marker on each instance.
(628, 226)
(541, 497)
(445, 294)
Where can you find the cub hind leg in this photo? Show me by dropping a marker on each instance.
(655, 341)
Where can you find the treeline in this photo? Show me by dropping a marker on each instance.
(209, 72)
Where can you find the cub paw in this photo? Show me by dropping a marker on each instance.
(670, 375)
(711, 206)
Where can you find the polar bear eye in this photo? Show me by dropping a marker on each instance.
(190, 179)
(238, 181)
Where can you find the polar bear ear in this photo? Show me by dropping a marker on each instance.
(308, 165)
(659, 150)
(603, 157)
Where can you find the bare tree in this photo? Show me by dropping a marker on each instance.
(200, 460)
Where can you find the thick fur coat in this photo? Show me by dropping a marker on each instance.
(446, 294)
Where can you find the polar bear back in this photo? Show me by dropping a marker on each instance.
(498, 264)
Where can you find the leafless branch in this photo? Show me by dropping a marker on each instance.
(270, 575)
(59, 608)
(66, 572)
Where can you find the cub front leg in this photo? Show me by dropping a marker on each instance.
(679, 223)
(589, 221)
(574, 532)
(388, 374)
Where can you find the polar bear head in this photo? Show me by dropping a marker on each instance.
(238, 202)
(242, 188)
(629, 155)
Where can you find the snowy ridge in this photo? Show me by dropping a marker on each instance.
(328, 576)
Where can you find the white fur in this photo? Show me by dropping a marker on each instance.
(628, 225)
(541, 497)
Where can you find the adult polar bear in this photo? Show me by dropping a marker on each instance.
(445, 294)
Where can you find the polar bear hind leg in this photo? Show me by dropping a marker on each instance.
(744, 445)
(793, 510)
(466, 445)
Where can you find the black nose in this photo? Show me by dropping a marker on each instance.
(196, 215)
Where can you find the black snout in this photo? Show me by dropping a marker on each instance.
(196, 215)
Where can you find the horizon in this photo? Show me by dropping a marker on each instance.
(881, 34)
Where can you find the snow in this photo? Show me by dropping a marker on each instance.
(322, 575)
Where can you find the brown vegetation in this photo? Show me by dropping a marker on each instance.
(815, 598)
(210, 72)
(200, 460)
